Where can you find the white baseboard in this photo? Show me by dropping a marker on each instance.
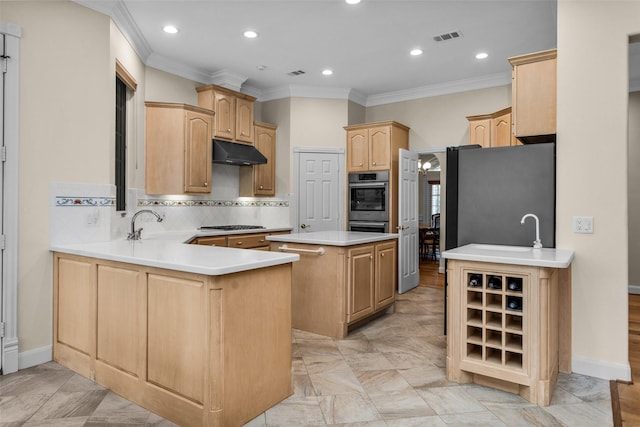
(598, 369)
(35, 357)
(634, 289)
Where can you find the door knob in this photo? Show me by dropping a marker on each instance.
(304, 226)
(402, 227)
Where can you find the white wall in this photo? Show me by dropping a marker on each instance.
(634, 188)
(592, 130)
(440, 121)
(64, 132)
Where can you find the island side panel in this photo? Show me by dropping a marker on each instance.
(318, 299)
(256, 329)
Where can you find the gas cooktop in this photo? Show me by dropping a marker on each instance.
(230, 227)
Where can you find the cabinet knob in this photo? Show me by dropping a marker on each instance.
(206, 183)
(262, 241)
(261, 187)
(360, 164)
(228, 130)
(242, 133)
(238, 243)
(370, 256)
(382, 254)
(374, 163)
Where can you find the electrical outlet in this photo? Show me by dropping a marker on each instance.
(93, 217)
(583, 224)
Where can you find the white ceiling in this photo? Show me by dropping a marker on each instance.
(366, 45)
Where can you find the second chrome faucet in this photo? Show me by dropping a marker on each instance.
(537, 244)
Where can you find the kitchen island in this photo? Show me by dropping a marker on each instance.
(509, 317)
(200, 335)
(342, 279)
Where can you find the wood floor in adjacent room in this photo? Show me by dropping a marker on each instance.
(629, 394)
(429, 276)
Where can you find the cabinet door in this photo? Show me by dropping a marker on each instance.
(197, 168)
(501, 131)
(380, 148)
(265, 175)
(244, 121)
(360, 283)
(358, 150)
(386, 276)
(480, 132)
(534, 98)
(225, 116)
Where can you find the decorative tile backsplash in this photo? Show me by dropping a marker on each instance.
(97, 219)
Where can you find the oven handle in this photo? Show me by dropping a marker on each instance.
(368, 184)
(367, 224)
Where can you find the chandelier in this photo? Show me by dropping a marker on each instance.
(423, 168)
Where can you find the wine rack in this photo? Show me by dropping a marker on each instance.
(495, 307)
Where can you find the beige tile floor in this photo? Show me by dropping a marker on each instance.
(389, 372)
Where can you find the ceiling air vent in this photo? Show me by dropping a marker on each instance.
(447, 36)
(296, 73)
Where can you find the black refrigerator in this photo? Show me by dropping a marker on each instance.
(489, 190)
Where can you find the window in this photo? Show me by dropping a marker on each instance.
(121, 145)
(125, 87)
(434, 195)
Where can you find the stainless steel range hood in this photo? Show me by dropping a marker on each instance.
(233, 153)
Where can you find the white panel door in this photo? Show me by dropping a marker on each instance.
(319, 192)
(408, 263)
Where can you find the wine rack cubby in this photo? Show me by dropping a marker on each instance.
(496, 312)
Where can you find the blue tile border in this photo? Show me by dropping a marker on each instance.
(215, 203)
(85, 201)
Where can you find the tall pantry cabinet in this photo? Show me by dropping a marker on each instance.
(375, 147)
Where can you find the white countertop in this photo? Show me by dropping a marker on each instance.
(167, 250)
(332, 238)
(520, 255)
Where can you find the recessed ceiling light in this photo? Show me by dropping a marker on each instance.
(327, 72)
(352, 1)
(482, 55)
(416, 52)
(250, 34)
(170, 29)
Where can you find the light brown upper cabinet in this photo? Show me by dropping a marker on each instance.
(260, 180)
(234, 112)
(534, 96)
(178, 148)
(374, 146)
(492, 130)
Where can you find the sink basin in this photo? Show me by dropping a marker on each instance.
(503, 248)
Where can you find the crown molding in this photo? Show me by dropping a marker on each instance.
(228, 79)
(448, 88)
(298, 91)
(120, 15)
(170, 66)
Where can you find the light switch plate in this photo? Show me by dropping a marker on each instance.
(583, 224)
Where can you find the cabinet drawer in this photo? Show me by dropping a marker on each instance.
(212, 241)
(247, 241)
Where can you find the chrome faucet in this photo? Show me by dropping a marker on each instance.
(135, 234)
(537, 244)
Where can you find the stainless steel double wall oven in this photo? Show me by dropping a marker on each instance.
(369, 201)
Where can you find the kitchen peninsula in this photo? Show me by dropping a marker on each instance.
(343, 278)
(509, 317)
(200, 335)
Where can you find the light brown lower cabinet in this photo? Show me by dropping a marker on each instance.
(343, 287)
(508, 327)
(198, 350)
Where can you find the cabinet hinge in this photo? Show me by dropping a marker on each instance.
(3, 154)
(5, 60)
(3, 242)
(1, 329)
